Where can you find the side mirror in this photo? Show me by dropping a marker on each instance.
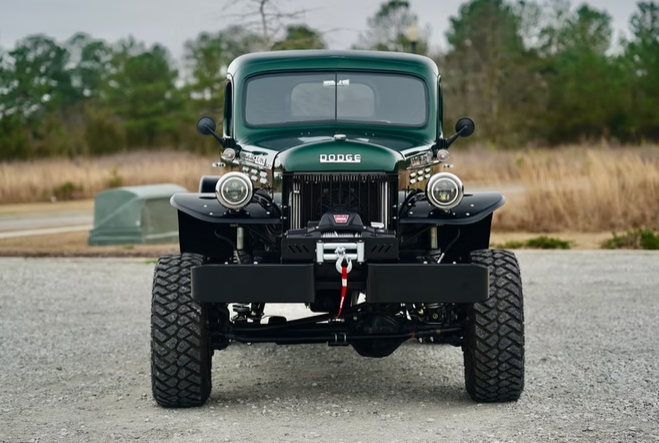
(206, 126)
(465, 127)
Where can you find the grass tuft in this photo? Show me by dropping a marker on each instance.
(634, 239)
(542, 242)
(510, 244)
(115, 180)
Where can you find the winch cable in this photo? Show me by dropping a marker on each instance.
(344, 285)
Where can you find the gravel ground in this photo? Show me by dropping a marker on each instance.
(74, 359)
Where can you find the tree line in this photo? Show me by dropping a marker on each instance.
(528, 73)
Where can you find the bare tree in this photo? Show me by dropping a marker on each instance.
(268, 18)
(387, 29)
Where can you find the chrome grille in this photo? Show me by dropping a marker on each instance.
(368, 194)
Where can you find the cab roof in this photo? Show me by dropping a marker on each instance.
(330, 59)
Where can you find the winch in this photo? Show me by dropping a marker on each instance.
(319, 241)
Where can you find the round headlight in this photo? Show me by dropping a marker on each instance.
(234, 190)
(445, 190)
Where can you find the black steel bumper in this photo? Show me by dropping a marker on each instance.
(385, 283)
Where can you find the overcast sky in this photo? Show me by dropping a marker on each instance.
(171, 22)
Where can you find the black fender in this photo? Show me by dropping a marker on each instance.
(208, 228)
(473, 208)
(463, 229)
(205, 207)
(208, 183)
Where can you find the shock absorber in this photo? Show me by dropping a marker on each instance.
(433, 239)
(241, 256)
(434, 254)
(240, 238)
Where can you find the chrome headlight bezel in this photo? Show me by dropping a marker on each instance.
(223, 180)
(434, 180)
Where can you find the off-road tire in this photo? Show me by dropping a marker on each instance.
(180, 348)
(494, 341)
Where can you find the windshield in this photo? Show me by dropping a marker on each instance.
(336, 97)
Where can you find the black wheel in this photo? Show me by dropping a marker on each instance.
(180, 347)
(494, 342)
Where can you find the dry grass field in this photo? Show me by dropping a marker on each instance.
(575, 189)
(82, 178)
(584, 190)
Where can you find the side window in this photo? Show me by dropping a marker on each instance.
(228, 110)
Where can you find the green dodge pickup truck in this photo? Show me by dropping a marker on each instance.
(337, 196)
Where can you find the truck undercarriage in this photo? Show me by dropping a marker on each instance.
(372, 330)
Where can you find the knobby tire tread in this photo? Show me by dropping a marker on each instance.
(494, 348)
(180, 350)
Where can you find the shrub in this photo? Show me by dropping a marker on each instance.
(544, 242)
(634, 239)
(67, 191)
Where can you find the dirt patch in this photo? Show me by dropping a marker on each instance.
(74, 244)
(32, 208)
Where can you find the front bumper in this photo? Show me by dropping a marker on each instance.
(296, 283)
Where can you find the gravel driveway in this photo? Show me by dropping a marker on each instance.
(74, 359)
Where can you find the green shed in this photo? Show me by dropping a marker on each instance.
(135, 215)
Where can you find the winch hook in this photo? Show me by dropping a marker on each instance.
(342, 260)
(344, 266)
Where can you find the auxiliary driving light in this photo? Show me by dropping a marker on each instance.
(229, 154)
(445, 190)
(234, 190)
(442, 155)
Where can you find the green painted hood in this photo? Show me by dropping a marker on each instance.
(339, 156)
(323, 152)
